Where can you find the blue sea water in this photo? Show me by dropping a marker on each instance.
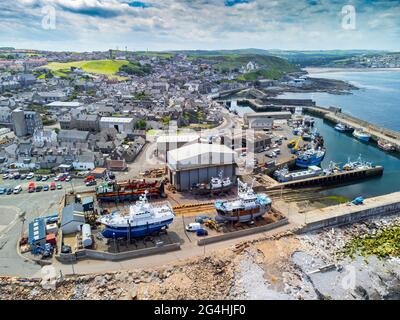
(376, 101)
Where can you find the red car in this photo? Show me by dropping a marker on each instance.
(63, 178)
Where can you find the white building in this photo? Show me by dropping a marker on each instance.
(121, 124)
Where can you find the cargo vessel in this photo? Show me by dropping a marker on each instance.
(131, 190)
(247, 206)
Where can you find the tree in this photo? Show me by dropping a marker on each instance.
(57, 130)
(165, 120)
(141, 124)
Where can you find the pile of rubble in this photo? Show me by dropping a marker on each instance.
(202, 278)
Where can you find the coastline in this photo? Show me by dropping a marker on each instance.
(334, 70)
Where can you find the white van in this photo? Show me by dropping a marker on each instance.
(17, 189)
(193, 227)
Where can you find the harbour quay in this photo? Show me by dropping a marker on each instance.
(377, 133)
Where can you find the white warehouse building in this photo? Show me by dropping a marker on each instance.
(198, 163)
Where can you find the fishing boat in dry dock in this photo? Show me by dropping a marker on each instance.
(218, 184)
(140, 220)
(247, 206)
(113, 191)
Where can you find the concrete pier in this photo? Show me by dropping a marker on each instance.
(376, 132)
(344, 213)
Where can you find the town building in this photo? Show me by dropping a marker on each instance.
(121, 124)
(264, 120)
(198, 163)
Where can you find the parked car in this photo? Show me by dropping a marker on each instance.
(17, 189)
(46, 188)
(38, 188)
(91, 183)
(16, 176)
(66, 249)
(9, 191)
(201, 232)
(59, 186)
(30, 175)
(23, 176)
(68, 178)
(39, 178)
(45, 178)
(62, 178)
(193, 227)
(2, 190)
(31, 187)
(201, 219)
(53, 186)
(5, 176)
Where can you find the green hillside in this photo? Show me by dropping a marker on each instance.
(269, 67)
(104, 67)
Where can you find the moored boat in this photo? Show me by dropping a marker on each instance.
(386, 146)
(310, 157)
(360, 134)
(343, 128)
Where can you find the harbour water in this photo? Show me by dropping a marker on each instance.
(378, 101)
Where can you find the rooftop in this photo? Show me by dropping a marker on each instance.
(116, 119)
(61, 104)
(200, 155)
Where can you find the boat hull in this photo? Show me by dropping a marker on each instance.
(361, 137)
(242, 216)
(127, 195)
(110, 232)
(210, 191)
(316, 161)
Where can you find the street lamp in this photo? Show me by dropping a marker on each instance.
(21, 216)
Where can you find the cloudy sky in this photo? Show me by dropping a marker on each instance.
(199, 24)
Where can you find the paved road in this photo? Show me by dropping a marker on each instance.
(34, 205)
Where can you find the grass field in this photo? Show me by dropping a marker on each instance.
(105, 67)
